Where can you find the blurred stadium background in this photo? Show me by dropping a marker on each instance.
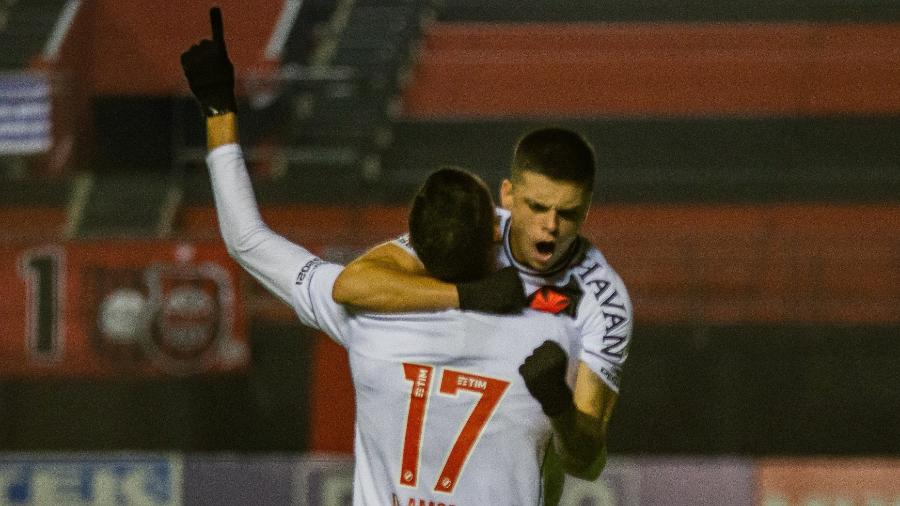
(749, 196)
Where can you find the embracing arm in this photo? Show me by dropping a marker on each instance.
(387, 279)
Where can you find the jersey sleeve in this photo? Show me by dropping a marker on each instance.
(311, 299)
(285, 269)
(403, 242)
(606, 330)
(270, 258)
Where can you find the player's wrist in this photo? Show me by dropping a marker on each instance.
(501, 292)
(468, 297)
(558, 401)
(221, 129)
(219, 102)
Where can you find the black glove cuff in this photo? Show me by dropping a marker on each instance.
(500, 293)
(469, 299)
(218, 102)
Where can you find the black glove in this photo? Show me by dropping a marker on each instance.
(544, 372)
(501, 292)
(209, 72)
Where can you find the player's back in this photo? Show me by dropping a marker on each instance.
(442, 413)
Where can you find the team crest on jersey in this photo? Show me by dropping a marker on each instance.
(557, 299)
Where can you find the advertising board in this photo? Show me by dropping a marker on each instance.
(100, 308)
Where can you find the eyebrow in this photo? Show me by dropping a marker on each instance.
(561, 210)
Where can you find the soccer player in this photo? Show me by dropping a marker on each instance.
(545, 201)
(443, 413)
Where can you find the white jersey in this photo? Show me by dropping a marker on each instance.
(442, 414)
(603, 317)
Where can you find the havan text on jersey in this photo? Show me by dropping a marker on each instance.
(613, 307)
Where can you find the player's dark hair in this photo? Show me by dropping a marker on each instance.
(451, 226)
(557, 153)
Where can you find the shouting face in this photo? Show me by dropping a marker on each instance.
(546, 215)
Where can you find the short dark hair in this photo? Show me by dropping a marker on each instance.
(451, 225)
(557, 153)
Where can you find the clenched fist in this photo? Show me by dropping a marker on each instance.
(544, 372)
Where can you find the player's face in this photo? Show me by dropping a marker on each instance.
(546, 215)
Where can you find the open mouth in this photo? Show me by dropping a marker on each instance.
(545, 248)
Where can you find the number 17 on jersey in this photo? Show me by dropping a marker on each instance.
(490, 392)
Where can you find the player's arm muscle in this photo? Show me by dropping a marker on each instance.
(581, 433)
(390, 280)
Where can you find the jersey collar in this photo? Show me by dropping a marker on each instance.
(573, 256)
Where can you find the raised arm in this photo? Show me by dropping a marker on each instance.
(381, 280)
(271, 259)
(387, 279)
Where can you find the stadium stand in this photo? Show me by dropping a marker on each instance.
(720, 112)
(647, 69)
(26, 26)
(372, 42)
(29, 210)
(332, 108)
(588, 11)
(835, 159)
(26, 31)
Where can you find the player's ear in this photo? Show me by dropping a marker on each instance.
(506, 194)
(498, 235)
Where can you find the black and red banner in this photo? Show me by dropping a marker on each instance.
(104, 308)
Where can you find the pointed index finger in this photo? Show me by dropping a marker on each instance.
(215, 20)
